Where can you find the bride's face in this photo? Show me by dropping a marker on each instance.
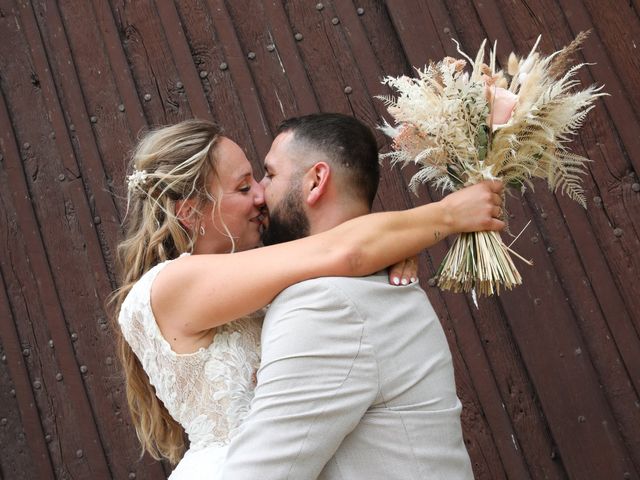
(236, 209)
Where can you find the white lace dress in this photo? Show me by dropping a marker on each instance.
(209, 391)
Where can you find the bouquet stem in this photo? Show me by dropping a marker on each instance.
(478, 261)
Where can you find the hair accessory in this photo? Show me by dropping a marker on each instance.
(137, 179)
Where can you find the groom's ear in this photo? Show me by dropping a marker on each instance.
(317, 179)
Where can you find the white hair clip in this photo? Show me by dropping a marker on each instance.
(137, 179)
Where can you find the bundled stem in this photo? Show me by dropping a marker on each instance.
(478, 261)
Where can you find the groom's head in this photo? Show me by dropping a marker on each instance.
(322, 169)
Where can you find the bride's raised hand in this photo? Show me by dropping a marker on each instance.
(476, 208)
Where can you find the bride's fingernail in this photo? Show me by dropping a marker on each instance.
(413, 279)
(404, 281)
(396, 281)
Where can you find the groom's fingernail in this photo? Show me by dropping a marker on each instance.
(404, 281)
(396, 281)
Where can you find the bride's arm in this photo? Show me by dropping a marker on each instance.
(194, 294)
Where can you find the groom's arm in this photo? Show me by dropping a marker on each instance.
(317, 379)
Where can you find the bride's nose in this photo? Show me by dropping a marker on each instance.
(258, 194)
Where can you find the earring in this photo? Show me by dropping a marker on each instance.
(202, 230)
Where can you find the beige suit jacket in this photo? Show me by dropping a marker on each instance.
(356, 382)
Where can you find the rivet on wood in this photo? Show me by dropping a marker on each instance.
(121, 107)
(582, 419)
(103, 326)
(26, 352)
(549, 249)
(298, 36)
(3, 421)
(446, 30)
(74, 336)
(271, 47)
(534, 239)
(223, 66)
(203, 74)
(132, 476)
(93, 119)
(544, 215)
(61, 177)
(4, 359)
(83, 369)
(537, 302)
(626, 475)
(59, 377)
(179, 85)
(578, 351)
(597, 200)
(319, 6)
(26, 146)
(37, 385)
(335, 20)
(108, 360)
(348, 90)
(12, 392)
(147, 97)
(79, 453)
(50, 343)
(432, 282)
(72, 127)
(97, 220)
(52, 135)
(635, 187)
(47, 438)
(251, 55)
(617, 232)
(360, 11)
(553, 454)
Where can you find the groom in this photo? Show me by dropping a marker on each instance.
(356, 380)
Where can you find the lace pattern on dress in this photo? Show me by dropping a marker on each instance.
(208, 392)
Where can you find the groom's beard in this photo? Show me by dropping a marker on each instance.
(288, 220)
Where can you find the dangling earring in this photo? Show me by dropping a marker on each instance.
(202, 230)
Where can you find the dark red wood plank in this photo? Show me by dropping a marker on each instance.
(28, 274)
(151, 62)
(24, 452)
(182, 56)
(220, 91)
(241, 77)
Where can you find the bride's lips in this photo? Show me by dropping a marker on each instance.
(262, 220)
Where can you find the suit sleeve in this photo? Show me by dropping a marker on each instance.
(317, 379)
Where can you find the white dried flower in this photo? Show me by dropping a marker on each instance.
(137, 179)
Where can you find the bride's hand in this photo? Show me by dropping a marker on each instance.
(404, 272)
(476, 208)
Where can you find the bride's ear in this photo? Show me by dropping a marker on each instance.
(317, 179)
(186, 213)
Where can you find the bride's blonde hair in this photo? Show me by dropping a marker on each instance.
(169, 164)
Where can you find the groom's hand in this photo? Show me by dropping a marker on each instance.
(476, 208)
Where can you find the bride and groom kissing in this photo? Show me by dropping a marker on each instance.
(354, 374)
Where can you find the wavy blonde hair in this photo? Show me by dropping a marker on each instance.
(171, 163)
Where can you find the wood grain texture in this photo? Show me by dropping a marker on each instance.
(549, 374)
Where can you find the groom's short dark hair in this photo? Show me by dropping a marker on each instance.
(346, 142)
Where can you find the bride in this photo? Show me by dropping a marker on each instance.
(189, 312)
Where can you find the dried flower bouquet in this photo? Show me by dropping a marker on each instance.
(463, 127)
